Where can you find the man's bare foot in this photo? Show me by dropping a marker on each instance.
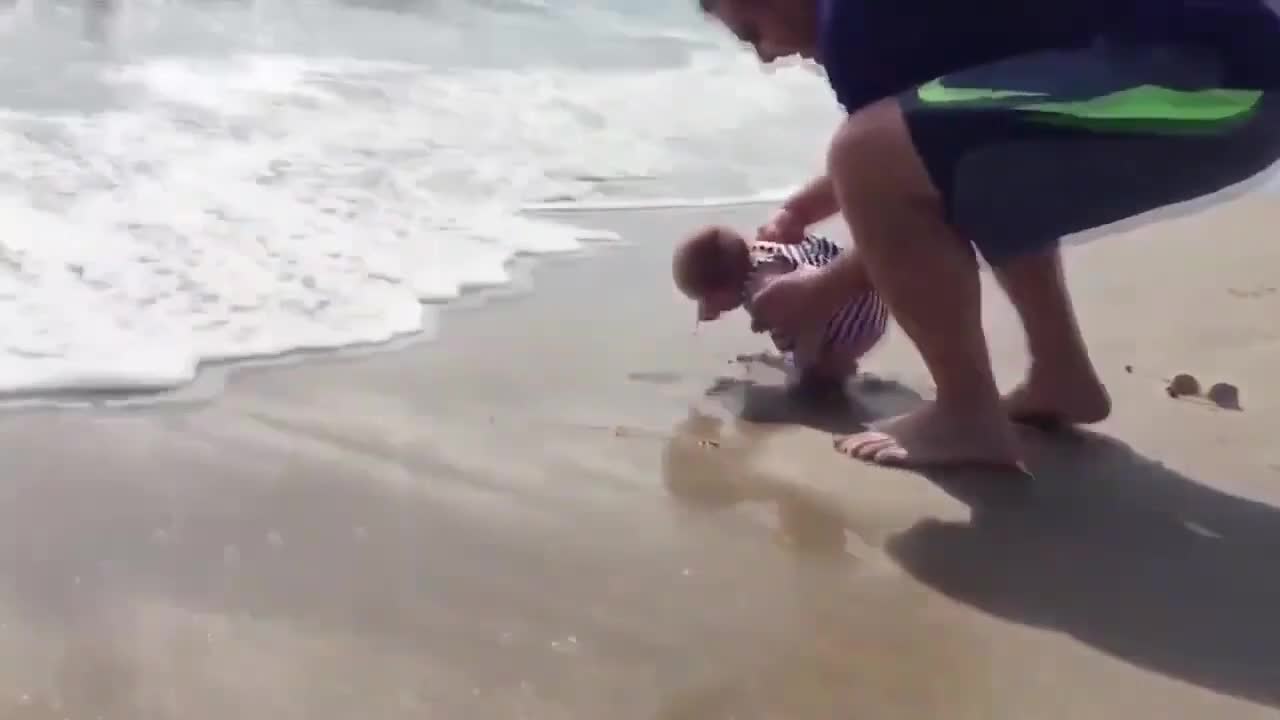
(1049, 400)
(933, 435)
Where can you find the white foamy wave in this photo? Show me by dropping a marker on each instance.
(223, 208)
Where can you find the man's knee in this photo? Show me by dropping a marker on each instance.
(872, 151)
(865, 131)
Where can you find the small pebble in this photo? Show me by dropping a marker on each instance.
(1183, 384)
(1225, 395)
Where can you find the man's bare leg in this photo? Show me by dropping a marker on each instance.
(1062, 385)
(929, 278)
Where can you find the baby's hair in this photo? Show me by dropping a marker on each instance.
(705, 259)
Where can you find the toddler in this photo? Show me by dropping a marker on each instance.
(720, 270)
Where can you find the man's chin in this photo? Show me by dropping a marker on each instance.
(803, 59)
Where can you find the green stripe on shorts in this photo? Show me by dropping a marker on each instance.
(1146, 107)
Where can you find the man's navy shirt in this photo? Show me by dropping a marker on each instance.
(873, 49)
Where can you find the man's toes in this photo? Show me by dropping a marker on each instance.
(870, 446)
(891, 454)
(855, 444)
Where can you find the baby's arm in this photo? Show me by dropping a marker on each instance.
(765, 273)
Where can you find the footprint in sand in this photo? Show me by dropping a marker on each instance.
(1255, 293)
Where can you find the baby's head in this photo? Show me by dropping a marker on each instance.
(711, 267)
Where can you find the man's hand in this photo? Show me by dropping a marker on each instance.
(785, 227)
(813, 203)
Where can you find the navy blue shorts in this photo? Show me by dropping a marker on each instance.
(1032, 149)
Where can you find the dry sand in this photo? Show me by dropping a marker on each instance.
(572, 506)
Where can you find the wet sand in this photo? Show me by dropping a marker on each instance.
(574, 506)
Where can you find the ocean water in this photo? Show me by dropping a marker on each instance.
(194, 180)
(185, 181)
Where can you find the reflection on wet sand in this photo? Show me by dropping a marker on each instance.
(706, 467)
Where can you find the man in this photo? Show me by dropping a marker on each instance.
(1004, 125)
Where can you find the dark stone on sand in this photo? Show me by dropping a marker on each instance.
(1225, 395)
(1183, 384)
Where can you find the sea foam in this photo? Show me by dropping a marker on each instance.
(204, 206)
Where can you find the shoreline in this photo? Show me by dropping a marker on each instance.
(211, 376)
(521, 269)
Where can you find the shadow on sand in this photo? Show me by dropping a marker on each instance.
(1123, 554)
(1118, 551)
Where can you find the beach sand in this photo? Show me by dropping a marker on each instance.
(573, 505)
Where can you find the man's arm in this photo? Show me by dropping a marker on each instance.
(813, 203)
(845, 277)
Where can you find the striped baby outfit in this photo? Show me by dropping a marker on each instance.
(854, 329)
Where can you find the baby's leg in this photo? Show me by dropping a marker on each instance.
(819, 380)
(835, 368)
(814, 372)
